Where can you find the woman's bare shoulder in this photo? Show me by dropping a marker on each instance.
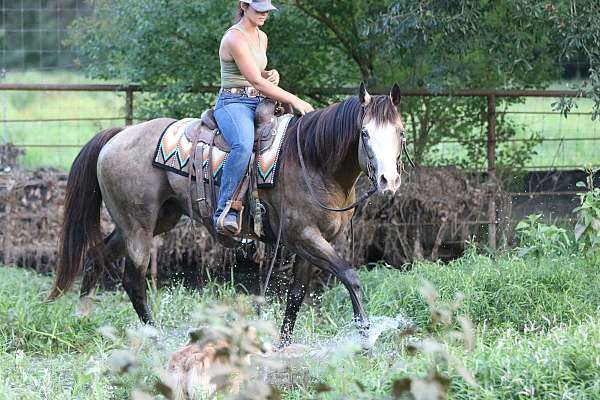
(233, 36)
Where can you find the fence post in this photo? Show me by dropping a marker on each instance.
(491, 167)
(129, 105)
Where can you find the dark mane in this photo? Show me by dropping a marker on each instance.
(328, 134)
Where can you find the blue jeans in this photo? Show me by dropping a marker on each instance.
(235, 116)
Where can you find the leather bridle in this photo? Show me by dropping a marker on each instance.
(364, 138)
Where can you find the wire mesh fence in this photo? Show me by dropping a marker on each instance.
(33, 35)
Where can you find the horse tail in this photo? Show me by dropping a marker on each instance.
(81, 220)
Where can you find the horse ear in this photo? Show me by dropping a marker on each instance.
(395, 94)
(363, 95)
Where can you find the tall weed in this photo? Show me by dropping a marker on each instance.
(538, 239)
(587, 229)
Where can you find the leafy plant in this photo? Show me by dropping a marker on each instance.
(222, 357)
(443, 318)
(587, 229)
(540, 239)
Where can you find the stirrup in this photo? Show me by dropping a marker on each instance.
(221, 221)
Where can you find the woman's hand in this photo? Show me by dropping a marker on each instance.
(272, 76)
(302, 106)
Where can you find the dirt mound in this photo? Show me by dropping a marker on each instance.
(31, 208)
(431, 217)
(430, 213)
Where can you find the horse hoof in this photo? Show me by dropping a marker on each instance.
(84, 308)
(81, 312)
(365, 340)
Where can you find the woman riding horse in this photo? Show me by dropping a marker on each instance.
(322, 156)
(244, 83)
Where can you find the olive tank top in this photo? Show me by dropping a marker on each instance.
(230, 73)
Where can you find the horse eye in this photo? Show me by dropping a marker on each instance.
(365, 133)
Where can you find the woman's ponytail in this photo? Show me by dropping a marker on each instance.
(240, 13)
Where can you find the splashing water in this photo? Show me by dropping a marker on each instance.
(347, 341)
(349, 336)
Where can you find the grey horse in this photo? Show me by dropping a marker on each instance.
(323, 156)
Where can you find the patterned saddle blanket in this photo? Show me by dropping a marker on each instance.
(174, 153)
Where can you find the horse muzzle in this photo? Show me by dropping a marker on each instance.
(388, 184)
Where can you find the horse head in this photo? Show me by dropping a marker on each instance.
(381, 139)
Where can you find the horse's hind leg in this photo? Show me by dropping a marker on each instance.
(134, 277)
(168, 217)
(92, 269)
(303, 272)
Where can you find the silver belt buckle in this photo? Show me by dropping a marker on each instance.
(244, 91)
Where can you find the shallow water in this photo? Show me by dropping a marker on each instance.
(349, 336)
(346, 340)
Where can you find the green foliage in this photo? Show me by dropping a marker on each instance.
(508, 293)
(155, 43)
(466, 44)
(540, 239)
(175, 45)
(485, 44)
(576, 32)
(587, 229)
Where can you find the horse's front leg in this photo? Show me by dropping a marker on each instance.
(303, 271)
(319, 252)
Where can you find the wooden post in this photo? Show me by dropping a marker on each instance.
(491, 157)
(129, 106)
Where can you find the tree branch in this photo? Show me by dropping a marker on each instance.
(364, 65)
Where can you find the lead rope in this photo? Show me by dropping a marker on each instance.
(264, 289)
(352, 239)
(407, 154)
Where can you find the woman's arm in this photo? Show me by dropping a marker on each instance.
(238, 48)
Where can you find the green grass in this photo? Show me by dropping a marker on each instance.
(537, 325)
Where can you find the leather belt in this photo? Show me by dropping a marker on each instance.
(247, 91)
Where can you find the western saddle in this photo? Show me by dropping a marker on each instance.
(203, 194)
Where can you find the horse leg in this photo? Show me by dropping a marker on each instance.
(303, 272)
(168, 217)
(319, 252)
(92, 269)
(138, 246)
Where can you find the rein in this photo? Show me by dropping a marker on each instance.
(311, 189)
